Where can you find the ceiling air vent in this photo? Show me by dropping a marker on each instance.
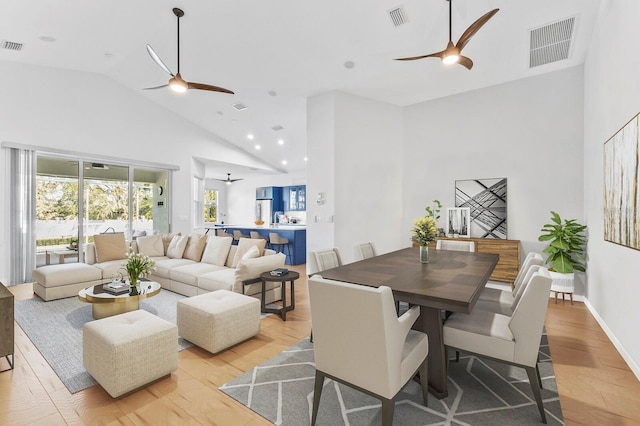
(11, 45)
(397, 16)
(277, 127)
(239, 107)
(551, 43)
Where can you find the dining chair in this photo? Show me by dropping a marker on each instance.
(501, 301)
(279, 244)
(455, 245)
(514, 340)
(363, 251)
(351, 322)
(238, 234)
(223, 233)
(324, 259)
(256, 236)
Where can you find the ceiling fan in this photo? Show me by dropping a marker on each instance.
(176, 82)
(451, 54)
(228, 180)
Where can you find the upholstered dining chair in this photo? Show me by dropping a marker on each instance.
(238, 234)
(325, 259)
(223, 233)
(279, 244)
(256, 236)
(455, 245)
(514, 340)
(502, 301)
(351, 322)
(363, 251)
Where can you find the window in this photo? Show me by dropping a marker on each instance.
(210, 205)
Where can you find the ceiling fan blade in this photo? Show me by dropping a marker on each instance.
(473, 28)
(157, 60)
(200, 86)
(431, 55)
(153, 88)
(465, 62)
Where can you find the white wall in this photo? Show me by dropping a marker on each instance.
(612, 90)
(89, 113)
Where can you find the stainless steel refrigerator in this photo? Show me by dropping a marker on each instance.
(264, 210)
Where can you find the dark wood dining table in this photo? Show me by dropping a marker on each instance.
(451, 281)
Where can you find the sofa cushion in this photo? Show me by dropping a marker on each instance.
(248, 269)
(252, 253)
(245, 244)
(189, 274)
(195, 247)
(164, 266)
(217, 250)
(110, 247)
(177, 246)
(166, 240)
(151, 246)
(65, 274)
(223, 279)
(111, 268)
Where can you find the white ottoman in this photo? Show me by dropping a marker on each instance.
(128, 351)
(214, 321)
(64, 280)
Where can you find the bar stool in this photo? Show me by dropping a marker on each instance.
(277, 242)
(256, 236)
(237, 235)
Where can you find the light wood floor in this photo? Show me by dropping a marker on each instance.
(596, 386)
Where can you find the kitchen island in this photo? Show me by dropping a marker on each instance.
(296, 234)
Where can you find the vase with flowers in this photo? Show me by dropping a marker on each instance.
(138, 266)
(424, 230)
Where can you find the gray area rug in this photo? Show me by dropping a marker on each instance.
(55, 328)
(481, 392)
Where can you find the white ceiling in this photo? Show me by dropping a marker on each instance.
(295, 48)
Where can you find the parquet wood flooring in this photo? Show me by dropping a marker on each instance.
(596, 386)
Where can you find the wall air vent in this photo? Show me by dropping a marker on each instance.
(551, 43)
(11, 45)
(277, 128)
(239, 107)
(397, 16)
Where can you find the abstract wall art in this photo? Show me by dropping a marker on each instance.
(487, 201)
(621, 195)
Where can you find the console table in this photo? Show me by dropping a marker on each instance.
(6, 326)
(509, 251)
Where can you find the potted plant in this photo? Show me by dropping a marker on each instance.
(567, 243)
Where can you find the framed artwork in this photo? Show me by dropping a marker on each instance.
(458, 222)
(487, 200)
(621, 195)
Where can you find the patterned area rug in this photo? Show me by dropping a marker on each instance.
(481, 392)
(55, 328)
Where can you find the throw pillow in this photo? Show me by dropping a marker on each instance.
(245, 244)
(166, 240)
(195, 247)
(110, 247)
(217, 250)
(252, 253)
(177, 246)
(151, 246)
(249, 269)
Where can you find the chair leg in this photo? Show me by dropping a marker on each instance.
(531, 372)
(424, 380)
(387, 411)
(317, 390)
(571, 297)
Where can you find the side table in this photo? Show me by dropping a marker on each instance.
(289, 276)
(6, 326)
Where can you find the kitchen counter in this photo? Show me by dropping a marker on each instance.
(296, 234)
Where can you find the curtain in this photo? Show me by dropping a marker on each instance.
(22, 205)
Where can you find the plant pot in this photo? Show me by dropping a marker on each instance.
(562, 283)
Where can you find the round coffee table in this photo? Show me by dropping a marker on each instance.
(106, 305)
(282, 279)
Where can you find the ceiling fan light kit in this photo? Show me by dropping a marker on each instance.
(228, 180)
(176, 82)
(452, 54)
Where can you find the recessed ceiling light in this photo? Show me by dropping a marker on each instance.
(280, 142)
(250, 136)
(239, 107)
(349, 65)
(305, 158)
(258, 147)
(48, 39)
(284, 162)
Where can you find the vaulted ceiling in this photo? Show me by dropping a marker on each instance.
(276, 54)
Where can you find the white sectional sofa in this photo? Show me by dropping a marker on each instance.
(188, 265)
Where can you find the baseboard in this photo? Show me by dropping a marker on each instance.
(635, 368)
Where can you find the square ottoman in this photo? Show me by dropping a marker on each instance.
(214, 321)
(65, 280)
(128, 351)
